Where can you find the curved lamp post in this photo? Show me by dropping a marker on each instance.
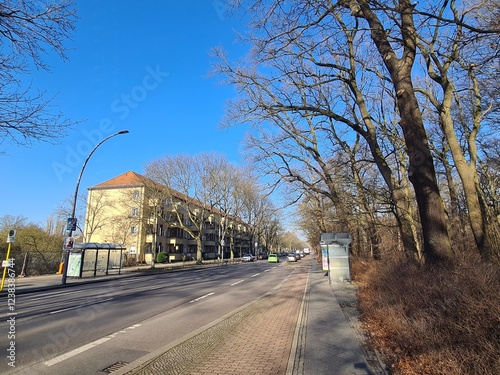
(73, 210)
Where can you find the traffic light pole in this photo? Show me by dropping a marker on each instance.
(73, 211)
(5, 268)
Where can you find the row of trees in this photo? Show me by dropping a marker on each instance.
(183, 192)
(36, 250)
(230, 195)
(201, 188)
(354, 101)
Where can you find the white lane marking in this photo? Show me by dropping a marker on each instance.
(77, 351)
(77, 307)
(257, 274)
(236, 283)
(86, 347)
(199, 298)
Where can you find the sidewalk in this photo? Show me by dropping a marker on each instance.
(298, 328)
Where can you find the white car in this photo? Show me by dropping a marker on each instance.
(291, 257)
(247, 258)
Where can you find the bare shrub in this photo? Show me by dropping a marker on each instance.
(37, 262)
(430, 320)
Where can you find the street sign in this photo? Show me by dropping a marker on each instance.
(12, 236)
(68, 243)
(71, 223)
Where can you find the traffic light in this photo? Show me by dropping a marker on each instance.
(12, 235)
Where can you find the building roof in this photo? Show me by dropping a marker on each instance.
(133, 179)
(129, 178)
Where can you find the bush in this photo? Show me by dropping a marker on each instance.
(161, 257)
(432, 320)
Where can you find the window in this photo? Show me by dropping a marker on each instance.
(135, 211)
(133, 230)
(137, 194)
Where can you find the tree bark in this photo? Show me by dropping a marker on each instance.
(436, 241)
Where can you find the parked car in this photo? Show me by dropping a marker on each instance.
(273, 258)
(247, 258)
(291, 257)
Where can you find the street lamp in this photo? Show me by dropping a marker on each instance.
(73, 211)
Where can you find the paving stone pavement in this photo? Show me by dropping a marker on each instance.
(304, 326)
(257, 340)
(301, 327)
(262, 345)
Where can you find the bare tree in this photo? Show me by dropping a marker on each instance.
(457, 54)
(11, 222)
(93, 217)
(190, 188)
(316, 60)
(255, 209)
(490, 175)
(223, 179)
(28, 31)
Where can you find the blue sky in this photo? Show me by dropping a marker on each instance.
(136, 65)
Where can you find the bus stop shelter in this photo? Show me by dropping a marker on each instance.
(90, 259)
(335, 254)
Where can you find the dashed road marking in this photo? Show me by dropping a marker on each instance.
(200, 298)
(86, 347)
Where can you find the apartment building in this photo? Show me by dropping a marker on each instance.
(147, 218)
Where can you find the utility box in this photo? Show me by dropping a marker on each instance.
(335, 251)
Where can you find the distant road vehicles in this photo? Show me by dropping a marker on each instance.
(273, 258)
(292, 257)
(247, 258)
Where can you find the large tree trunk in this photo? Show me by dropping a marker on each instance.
(484, 226)
(199, 249)
(422, 175)
(458, 224)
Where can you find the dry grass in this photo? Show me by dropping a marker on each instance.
(432, 320)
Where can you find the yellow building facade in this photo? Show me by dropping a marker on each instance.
(134, 211)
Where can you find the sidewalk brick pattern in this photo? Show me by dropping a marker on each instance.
(259, 340)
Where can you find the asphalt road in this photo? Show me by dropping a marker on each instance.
(85, 328)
